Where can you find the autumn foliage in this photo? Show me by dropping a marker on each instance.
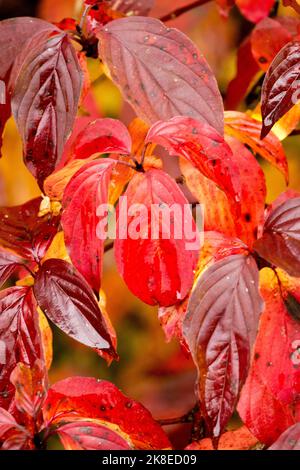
(229, 295)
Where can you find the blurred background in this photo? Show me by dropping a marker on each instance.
(157, 373)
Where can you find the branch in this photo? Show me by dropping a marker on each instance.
(186, 418)
(294, 132)
(293, 4)
(108, 247)
(180, 11)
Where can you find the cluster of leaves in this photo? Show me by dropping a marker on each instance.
(215, 299)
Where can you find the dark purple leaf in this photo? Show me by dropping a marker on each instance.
(14, 34)
(280, 91)
(20, 339)
(69, 302)
(45, 101)
(22, 231)
(289, 440)
(8, 263)
(160, 71)
(220, 328)
(280, 243)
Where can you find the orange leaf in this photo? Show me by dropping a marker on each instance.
(239, 439)
(269, 402)
(247, 130)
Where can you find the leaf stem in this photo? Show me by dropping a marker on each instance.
(186, 418)
(83, 17)
(180, 11)
(29, 270)
(279, 283)
(292, 4)
(108, 247)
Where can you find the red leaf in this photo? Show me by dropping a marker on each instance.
(253, 193)
(69, 302)
(247, 69)
(99, 399)
(289, 440)
(218, 215)
(269, 401)
(20, 339)
(157, 269)
(283, 197)
(280, 87)
(267, 38)
(255, 10)
(22, 231)
(12, 436)
(220, 328)
(102, 136)
(31, 388)
(7, 422)
(204, 148)
(8, 263)
(280, 243)
(14, 35)
(83, 195)
(165, 75)
(247, 130)
(171, 319)
(93, 435)
(45, 101)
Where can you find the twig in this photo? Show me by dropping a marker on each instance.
(294, 132)
(28, 269)
(108, 247)
(279, 283)
(180, 11)
(186, 418)
(293, 4)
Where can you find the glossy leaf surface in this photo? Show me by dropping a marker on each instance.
(204, 148)
(8, 263)
(45, 101)
(269, 402)
(220, 329)
(23, 231)
(69, 302)
(255, 10)
(280, 91)
(102, 136)
(20, 339)
(165, 74)
(94, 434)
(247, 130)
(102, 400)
(280, 243)
(85, 193)
(156, 266)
